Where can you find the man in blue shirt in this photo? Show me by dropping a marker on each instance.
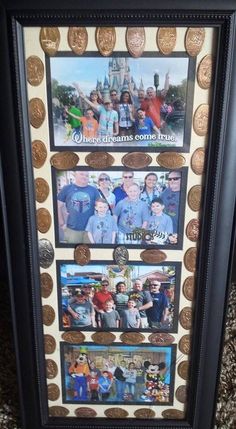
(157, 314)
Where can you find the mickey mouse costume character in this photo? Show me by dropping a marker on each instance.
(79, 371)
(152, 380)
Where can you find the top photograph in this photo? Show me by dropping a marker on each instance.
(120, 102)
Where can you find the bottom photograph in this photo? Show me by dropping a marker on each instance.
(118, 374)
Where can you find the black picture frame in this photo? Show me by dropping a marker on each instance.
(17, 197)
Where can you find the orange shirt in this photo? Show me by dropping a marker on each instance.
(152, 108)
(90, 127)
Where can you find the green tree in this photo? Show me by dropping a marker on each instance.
(177, 91)
(65, 94)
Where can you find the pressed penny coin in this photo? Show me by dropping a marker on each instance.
(121, 255)
(103, 337)
(41, 189)
(136, 160)
(185, 317)
(37, 112)
(188, 288)
(181, 394)
(116, 413)
(132, 337)
(144, 413)
(82, 254)
(53, 392)
(173, 414)
(48, 315)
(49, 344)
(204, 72)
(57, 411)
(46, 253)
(35, 70)
(50, 40)
(64, 160)
(171, 160)
(77, 39)
(51, 369)
(161, 339)
(39, 153)
(135, 41)
(194, 198)
(192, 230)
(194, 40)
(44, 220)
(197, 161)
(153, 256)
(99, 160)
(190, 257)
(105, 40)
(184, 344)
(85, 412)
(183, 369)
(166, 39)
(73, 337)
(200, 120)
(46, 285)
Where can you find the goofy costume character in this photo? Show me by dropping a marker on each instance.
(79, 371)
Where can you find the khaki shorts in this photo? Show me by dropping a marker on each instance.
(73, 236)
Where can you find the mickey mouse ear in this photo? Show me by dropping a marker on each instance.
(162, 365)
(146, 364)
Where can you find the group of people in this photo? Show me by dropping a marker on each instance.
(124, 215)
(138, 308)
(126, 115)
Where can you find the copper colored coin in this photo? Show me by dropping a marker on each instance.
(35, 70)
(85, 412)
(51, 369)
(53, 392)
(103, 337)
(190, 257)
(132, 337)
(121, 255)
(171, 160)
(135, 41)
(99, 160)
(192, 230)
(194, 198)
(173, 414)
(46, 285)
(197, 160)
(41, 189)
(64, 160)
(166, 39)
(39, 153)
(183, 369)
(105, 40)
(204, 72)
(57, 411)
(116, 413)
(78, 39)
(188, 288)
(160, 339)
(44, 220)
(37, 112)
(145, 413)
(200, 120)
(49, 344)
(181, 394)
(48, 315)
(194, 40)
(136, 160)
(185, 317)
(184, 344)
(153, 256)
(46, 253)
(73, 337)
(82, 254)
(50, 40)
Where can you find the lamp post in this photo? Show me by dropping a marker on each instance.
(156, 80)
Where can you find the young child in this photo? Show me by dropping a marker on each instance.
(131, 213)
(110, 318)
(130, 375)
(92, 381)
(101, 227)
(104, 383)
(130, 318)
(159, 222)
(89, 124)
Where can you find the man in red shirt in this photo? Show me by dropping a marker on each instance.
(153, 102)
(100, 297)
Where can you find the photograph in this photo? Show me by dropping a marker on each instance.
(120, 101)
(118, 374)
(119, 207)
(110, 297)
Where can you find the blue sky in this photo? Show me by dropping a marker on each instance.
(138, 269)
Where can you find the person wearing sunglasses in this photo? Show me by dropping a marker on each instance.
(120, 192)
(171, 198)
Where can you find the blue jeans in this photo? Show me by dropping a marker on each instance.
(120, 390)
